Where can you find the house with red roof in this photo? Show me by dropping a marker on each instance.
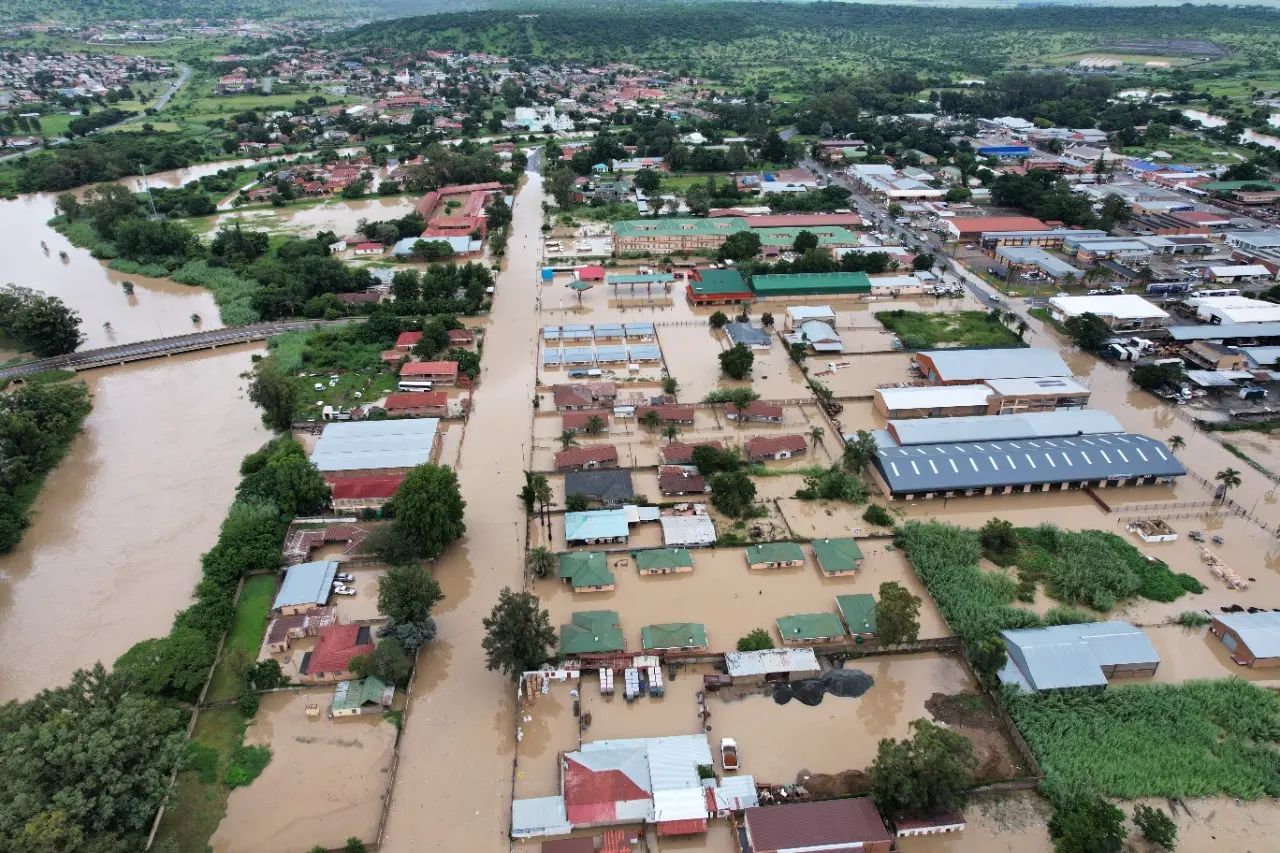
(417, 404)
(669, 413)
(591, 272)
(364, 492)
(330, 660)
(852, 824)
(681, 453)
(585, 458)
(578, 421)
(443, 372)
(766, 447)
(756, 410)
(408, 340)
(461, 338)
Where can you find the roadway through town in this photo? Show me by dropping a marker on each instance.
(453, 786)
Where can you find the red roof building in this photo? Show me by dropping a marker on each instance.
(973, 227)
(425, 404)
(756, 410)
(467, 189)
(461, 337)
(596, 795)
(584, 395)
(427, 204)
(676, 480)
(408, 340)
(835, 825)
(591, 272)
(336, 645)
(444, 372)
(680, 453)
(570, 845)
(762, 448)
(577, 421)
(369, 248)
(582, 458)
(669, 413)
(359, 492)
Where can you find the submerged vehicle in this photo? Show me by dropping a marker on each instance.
(728, 753)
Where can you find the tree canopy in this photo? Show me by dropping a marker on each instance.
(518, 634)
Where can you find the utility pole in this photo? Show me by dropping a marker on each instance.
(147, 188)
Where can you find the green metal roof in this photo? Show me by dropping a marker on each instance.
(356, 694)
(716, 281)
(859, 612)
(828, 235)
(836, 555)
(794, 284)
(1228, 186)
(663, 558)
(646, 278)
(585, 568)
(679, 227)
(592, 631)
(810, 626)
(774, 552)
(673, 635)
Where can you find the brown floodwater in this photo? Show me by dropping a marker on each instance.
(324, 784)
(340, 216)
(114, 547)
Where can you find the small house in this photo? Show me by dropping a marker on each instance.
(681, 453)
(669, 413)
(440, 372)
(674, 637)
(774, 555)
(367, 696)
(806, 628)
(586, 571)
(330, 660)
(663, 561)
(757, 411)
(1253, 639)
(306, 586)
(600, 526)
(585, 420)
(859, 614)
(688, 531)
(585, 458)
(837, 557)
(592, 632)
(770, 665)
(584, 395)
(676, 480)
(610, 486)
(351, 494)
(851, 824)
(767, 447)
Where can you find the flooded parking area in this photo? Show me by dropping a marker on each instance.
(325, 783)
(858, 376)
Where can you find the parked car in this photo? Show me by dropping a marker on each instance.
(344, 590)
(344, 577)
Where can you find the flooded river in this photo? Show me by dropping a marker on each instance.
(114, 548)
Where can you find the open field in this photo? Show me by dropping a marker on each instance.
(957, 328)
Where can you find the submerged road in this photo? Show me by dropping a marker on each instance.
(159, 348)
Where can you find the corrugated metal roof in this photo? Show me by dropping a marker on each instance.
(306, 583)
(747, 334)
(1125, 306)
(363, 445)
(539, 816)
(639, 328)
(1068, 422)
(681, 530)
(1073, 655)
(979, 364)
(1259, 631)
(1034, 385)
(946, 467)
(673, 760)
(644, 352)
(595, 524)
(934, 396)
(768, 661)
(810, 626)
(734, 793)
(1225, 331)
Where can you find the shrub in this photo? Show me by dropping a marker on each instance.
(1192, 619)
(248, 704)
(203, 761)
(1156, 826)
(758, 640)
(247, 763)
(876, 514)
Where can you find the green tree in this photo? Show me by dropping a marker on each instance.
(289, 480)
(859, 450)
(428, 515)
(408, 593)
(175, 665)
(999, 537)
(804, 241)
(648, 180)
(732, 493)
(671, 432)
(815, 435)
(275, 392)
(929, 772)
(736, 361)
(568, 438)
(650, 419)
(756, 641)
(541, 562)
(1229, 478)
(388, 661)
(1157, 377)
(518, 634)
(988, 656)
(897, 615)
(1177, 442)
(1087, 824)
(742, 246)
(1156, 826)
(1088, 330)
(576, 502)
(877, 515)
(354, 845)
(718, 320)
(43, 324)
(594, 425)
(670, 385)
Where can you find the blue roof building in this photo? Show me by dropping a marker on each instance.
(306, 585)
(1066, 656)
(601, 525)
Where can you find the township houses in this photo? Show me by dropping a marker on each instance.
(306, 586)
(663, 561)
(677, 480)
(805, 629)
(1252, 639)
(584, 420)
(681, 453)
(330, 660)
(351, 494)
(586, 571)
(774, 555)
(372, 448)
(859, 614)
(584, 458)
(609, 486)
(439, 372)
(717, 287)
(837, 557)
(829, 825)
(766, 447)
(417, 404)
(674, 637)
(587, 395)
(1066, 656)
(967, 367)
(756, 411)
(669, 413)
(366, 696)
(282, 630)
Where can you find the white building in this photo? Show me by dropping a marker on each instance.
(1120, 311)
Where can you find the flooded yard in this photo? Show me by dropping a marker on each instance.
(117, 532)
(325, 783)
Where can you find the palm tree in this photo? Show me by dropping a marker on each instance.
(542, 493)
(815, 435)
(541, 562)
(1177, 442)
(1023, 326)
(567, 439)
(594, 425)
(651, 419)
(671, 432)
(1229, 478)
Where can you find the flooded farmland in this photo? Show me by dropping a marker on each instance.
(341, 216)
(114, 547)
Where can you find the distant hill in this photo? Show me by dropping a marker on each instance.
(93, 11)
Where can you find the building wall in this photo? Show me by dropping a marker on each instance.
(1241, 650)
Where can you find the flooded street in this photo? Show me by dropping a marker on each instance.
(114, 548)
(453, 786)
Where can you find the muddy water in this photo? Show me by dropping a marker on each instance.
(453, 787)
(324, 783)
(113, 551)
(339, 216)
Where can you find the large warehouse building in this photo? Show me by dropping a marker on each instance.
(1064, 424)
(811, 283)
(966, 367)
(956, 469)
(376, 447)
(1120, 311)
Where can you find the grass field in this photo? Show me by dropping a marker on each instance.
(918, 330)
(199, 799)
(1138, 59)
(246, 634)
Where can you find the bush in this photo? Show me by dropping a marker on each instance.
(833, 484)
(248, 704)
(247, 763)
(878, 515)
(203, 761)
(233, 295)
(1192, 619)
(1156, 826)
(758, 640)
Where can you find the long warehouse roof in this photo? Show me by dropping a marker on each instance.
(970, 365)
(977, 465)
(1056, 424)
(1225, 331)
(365, 445)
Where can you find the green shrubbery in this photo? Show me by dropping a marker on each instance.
(233, 294)
(247, 763)
(1197, 739)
